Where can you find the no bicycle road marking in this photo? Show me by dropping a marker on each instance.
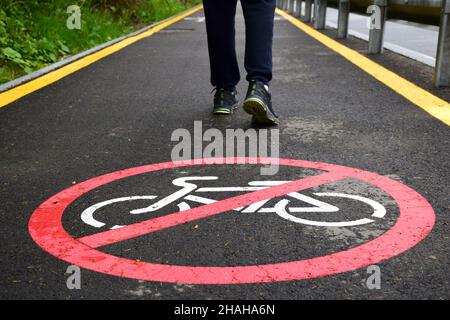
(415, 221)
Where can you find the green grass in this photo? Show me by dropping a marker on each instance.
(33, 33)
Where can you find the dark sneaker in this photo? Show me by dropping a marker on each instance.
(258, 103)
(225, 101)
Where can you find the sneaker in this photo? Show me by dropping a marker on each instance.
(258, 103)
(225, 101)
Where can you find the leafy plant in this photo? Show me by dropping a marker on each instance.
(33, 33)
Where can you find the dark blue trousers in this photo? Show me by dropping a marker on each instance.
(220, 27)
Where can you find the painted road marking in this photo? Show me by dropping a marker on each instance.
(135, 230)
(433, 105)
(415, 221)
(196, 19)
(87, 216)
(281, 209)
(18, 92)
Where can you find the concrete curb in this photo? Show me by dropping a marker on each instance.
(420, 57)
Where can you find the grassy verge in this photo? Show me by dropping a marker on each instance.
(34, 33)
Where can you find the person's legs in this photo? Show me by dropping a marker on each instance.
(259, 17)
(259, 20)
(220, 17)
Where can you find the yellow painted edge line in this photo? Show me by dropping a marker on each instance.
(435, 106)
(18, 92)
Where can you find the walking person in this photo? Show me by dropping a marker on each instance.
(225, 75)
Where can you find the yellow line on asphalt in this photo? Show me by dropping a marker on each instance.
(435, 106)
(15, 93)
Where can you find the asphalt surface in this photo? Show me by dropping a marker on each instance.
(120, 113)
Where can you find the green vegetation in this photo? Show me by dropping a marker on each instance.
(33, 33)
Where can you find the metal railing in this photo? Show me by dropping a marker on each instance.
(315, 12)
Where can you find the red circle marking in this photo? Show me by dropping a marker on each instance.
(415, 222)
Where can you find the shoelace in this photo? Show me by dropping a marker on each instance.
(223, 97)
(258, 89)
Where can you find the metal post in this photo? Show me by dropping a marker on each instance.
(314, 11)
(298, 9)
(291, 6)
(376, 32)
(442, 68)
(344, 11)
(285, 5)
(308, 10)
(321, 14)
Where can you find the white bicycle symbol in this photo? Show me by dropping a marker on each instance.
(281, 207)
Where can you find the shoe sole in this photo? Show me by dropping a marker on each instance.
(259, 111)
(225, 111)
